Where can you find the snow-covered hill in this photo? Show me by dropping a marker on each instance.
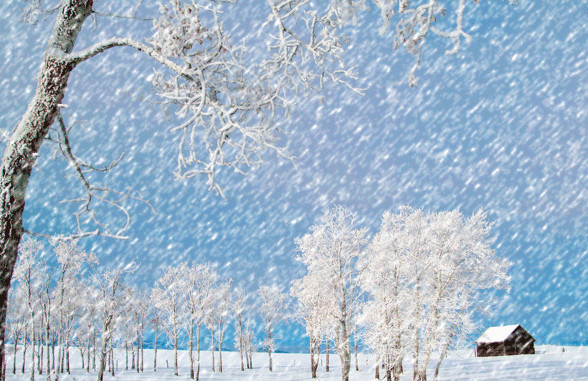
(550, 363)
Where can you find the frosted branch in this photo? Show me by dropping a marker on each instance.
(101, 47)
(95, 194)
(35, 10)
(131, 16)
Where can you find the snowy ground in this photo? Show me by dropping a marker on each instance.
(548, 364)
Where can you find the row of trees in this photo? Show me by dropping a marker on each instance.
(74, 305)
(409, 291)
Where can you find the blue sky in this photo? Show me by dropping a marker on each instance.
(501, 126)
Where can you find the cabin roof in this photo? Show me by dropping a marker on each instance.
(497, 334)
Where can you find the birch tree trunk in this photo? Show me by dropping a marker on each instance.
(327, 357)
(269, 336)
(378, 364)
(212, 350)
(220, 349)
(241, 342)
(155, 358)
(176, 372)
(191, 350)
(198, 351)
(142, 352)
(443, 353)
(102, 359)
(355, 345)
(24, 353)
(21, 150)
(14, 357)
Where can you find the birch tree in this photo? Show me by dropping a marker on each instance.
(26, 274)
(222, 306)
(386, 281)
(71, 259)
(229, 109)
(334, 252)
(168, 296)
(238, 305)
(198, 284)
(463, 264)
(156, 323)
(109, 285)
(313, 310)
(274, 308)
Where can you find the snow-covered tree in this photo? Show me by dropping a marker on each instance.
(156, 322)
(25, 273)
(462, 263)
(249, 337)
(109, 286)
(222, 305)
(424, 277)
(168, 296)
(274, 308)
(334, 252)
(71, 258)
(198, 283)
(385, 316)
(239, 305)
(312, 310)
(17, 322)
(228, 104)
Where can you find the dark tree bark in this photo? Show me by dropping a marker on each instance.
(21, 150)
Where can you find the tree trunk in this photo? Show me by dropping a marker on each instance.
(443, 354)
(191, 349)
(269, 351)
(132, 356)
(103, 352)
(198, 351)
(142, 353)
(88, 356)
(94, 350)
(155, 357)
(53, 354)
(398, 369)
(212, 349)
(82, 357)
(251, 357)
(113, 365)
(220, 348)
(15, 351)
(24, 353)
(176, 372)
(355, 345)
(314, 359)
(241, 343)
(33, 352)
(21, 150)
(343, 348)
(327, 356)
(67, 356)
(40, 357)
(377, 375)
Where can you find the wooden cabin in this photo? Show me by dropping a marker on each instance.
(505, 341)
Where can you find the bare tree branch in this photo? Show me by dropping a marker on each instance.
(94, 194)
(114, 42)
(132, 15)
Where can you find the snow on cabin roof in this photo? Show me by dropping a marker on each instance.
(497, 334)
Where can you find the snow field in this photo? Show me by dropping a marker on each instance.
(549, 364)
